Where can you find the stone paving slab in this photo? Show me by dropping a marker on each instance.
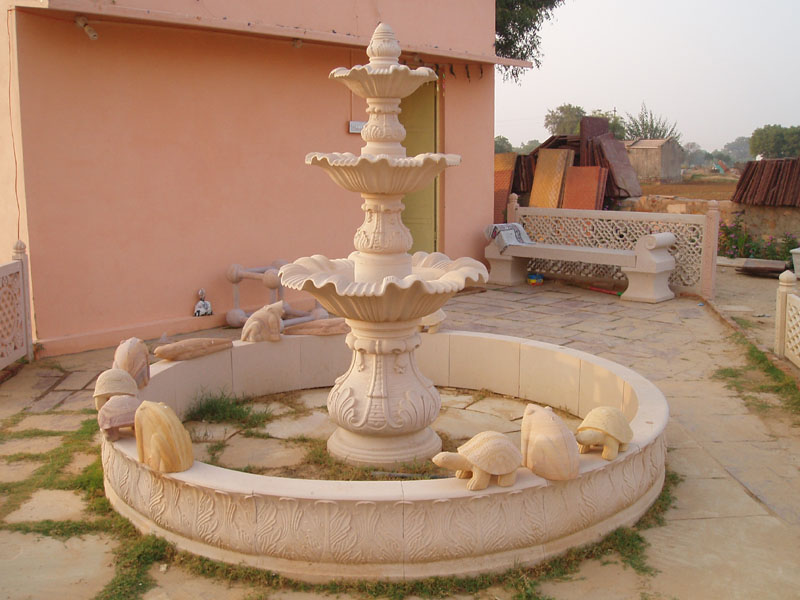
(504, 408)
(49, 401)
(736, 558)
(36, 567)
(461, 424)
(77, 380)
(598, 580)
(51, 422)
(56, 505)
(694, 462)
(79, 462)
(725, 428)
(701, 498)
(317, 425)
(79, 400)
(175, 584)
(269, 454)
(37, 445)
(18, 470)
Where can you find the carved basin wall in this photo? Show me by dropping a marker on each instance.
(322, 530)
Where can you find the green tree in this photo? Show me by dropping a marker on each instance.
(775, 141)
(501, 144)
(564, 120)
(517, 24)
(739, 149)
(723, 156)
(695, 156)
(527, 147)
(615, 123)
(648, 126)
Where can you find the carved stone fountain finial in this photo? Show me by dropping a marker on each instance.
(383, 47)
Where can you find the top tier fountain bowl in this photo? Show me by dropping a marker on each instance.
(383, 405)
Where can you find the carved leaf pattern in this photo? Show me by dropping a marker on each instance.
(591, 492)
(491, 523)
(418, 532)
(630, 482)
(157, 504)
(290, 515)
(205, 520)
(533, 524)
(339, 542)
(268, 531)
(244, 522)
(370, 532)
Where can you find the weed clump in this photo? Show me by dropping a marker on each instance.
(222, 408)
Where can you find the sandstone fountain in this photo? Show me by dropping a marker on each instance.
(384, 403)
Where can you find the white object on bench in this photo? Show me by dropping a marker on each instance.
(647, 267)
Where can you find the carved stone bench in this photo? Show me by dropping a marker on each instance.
(647, 267)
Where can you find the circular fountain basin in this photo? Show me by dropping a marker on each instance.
(321, 530)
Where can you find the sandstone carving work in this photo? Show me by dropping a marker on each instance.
(334, 326)
(132, 356)
(604, 426)
(358, 533)
(265, 324)
(192, 348)
(382, 405)
(113, 382)
(548, 446)
(488, 453)
(162, 443)
(118, 412)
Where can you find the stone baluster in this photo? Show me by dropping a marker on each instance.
(708, 261)
(787, 284)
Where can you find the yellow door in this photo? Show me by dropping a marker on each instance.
(418, 116)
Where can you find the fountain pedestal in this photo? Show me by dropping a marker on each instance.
(383, 404)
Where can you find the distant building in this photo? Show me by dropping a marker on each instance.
(656, 160)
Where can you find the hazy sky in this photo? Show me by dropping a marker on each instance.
(719, 68)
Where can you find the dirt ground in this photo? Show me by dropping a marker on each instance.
(704, 188)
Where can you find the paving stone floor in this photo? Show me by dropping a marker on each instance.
(734, 531)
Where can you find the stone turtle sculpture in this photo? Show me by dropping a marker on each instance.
(113, 382)
(118, 412)
(488, 453)
(548, 446)
(604, 426)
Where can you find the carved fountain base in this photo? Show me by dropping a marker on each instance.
(362, 450)
(383, 404)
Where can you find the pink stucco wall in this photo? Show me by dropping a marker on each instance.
(157, 156)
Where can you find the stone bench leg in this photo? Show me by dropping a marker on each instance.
(648, 281)
(505, 270)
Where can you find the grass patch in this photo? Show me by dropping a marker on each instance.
(134, 558)
(760, 375)
(221, 408)
(743, 323)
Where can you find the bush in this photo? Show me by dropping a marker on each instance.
(735, 242)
